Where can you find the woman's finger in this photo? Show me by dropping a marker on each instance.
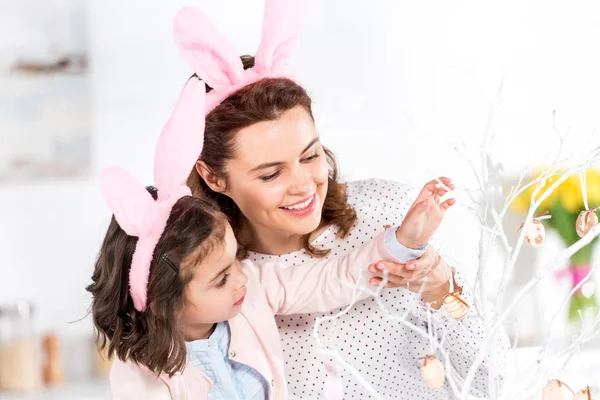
(399, 272)
(396, 273)
(392, 268)
(394, 279)
(376, 281)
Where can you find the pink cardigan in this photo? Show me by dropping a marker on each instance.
(312, 287)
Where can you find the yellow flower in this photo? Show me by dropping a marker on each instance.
(572, 196)
(569, 193)
(521, 202)
(593, 187)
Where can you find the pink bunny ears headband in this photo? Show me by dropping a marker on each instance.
(137, 213)
(215, 60)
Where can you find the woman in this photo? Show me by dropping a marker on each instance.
(264, 164)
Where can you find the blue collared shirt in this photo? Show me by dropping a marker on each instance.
(231, 380)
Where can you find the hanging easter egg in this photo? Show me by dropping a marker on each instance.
(553, 391)
(432, 372)
(455, 306)
(585, 394)
(586, 220)
(535, 233)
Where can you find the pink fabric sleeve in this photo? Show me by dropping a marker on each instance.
(320, 285)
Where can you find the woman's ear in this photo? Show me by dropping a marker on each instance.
(214, 182)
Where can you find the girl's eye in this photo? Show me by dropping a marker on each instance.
(223, 281)
(269, 177)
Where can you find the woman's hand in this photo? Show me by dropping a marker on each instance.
(412, 274)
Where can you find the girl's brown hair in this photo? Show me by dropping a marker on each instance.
(152, 338)
(264, 100)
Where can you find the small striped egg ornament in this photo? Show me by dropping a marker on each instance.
(586, 220)
(554, 390)
(455, 306)
(432, 372)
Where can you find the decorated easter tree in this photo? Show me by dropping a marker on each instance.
(562, 197)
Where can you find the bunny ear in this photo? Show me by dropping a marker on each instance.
(133, 207)
(140, 270)
(181, 140)
(206, 50)
(281, 27)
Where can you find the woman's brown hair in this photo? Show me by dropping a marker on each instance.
(264, 100)
(152, 338)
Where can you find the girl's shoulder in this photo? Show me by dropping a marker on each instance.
(129, 379)
(132, 381)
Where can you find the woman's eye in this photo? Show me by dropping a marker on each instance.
(269, 177)
(310, 158)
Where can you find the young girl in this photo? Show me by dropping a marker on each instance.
(183, 316)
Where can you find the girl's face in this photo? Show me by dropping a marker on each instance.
(279, 176)
(217, 290)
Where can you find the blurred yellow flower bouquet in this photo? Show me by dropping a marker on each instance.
(565, 204)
